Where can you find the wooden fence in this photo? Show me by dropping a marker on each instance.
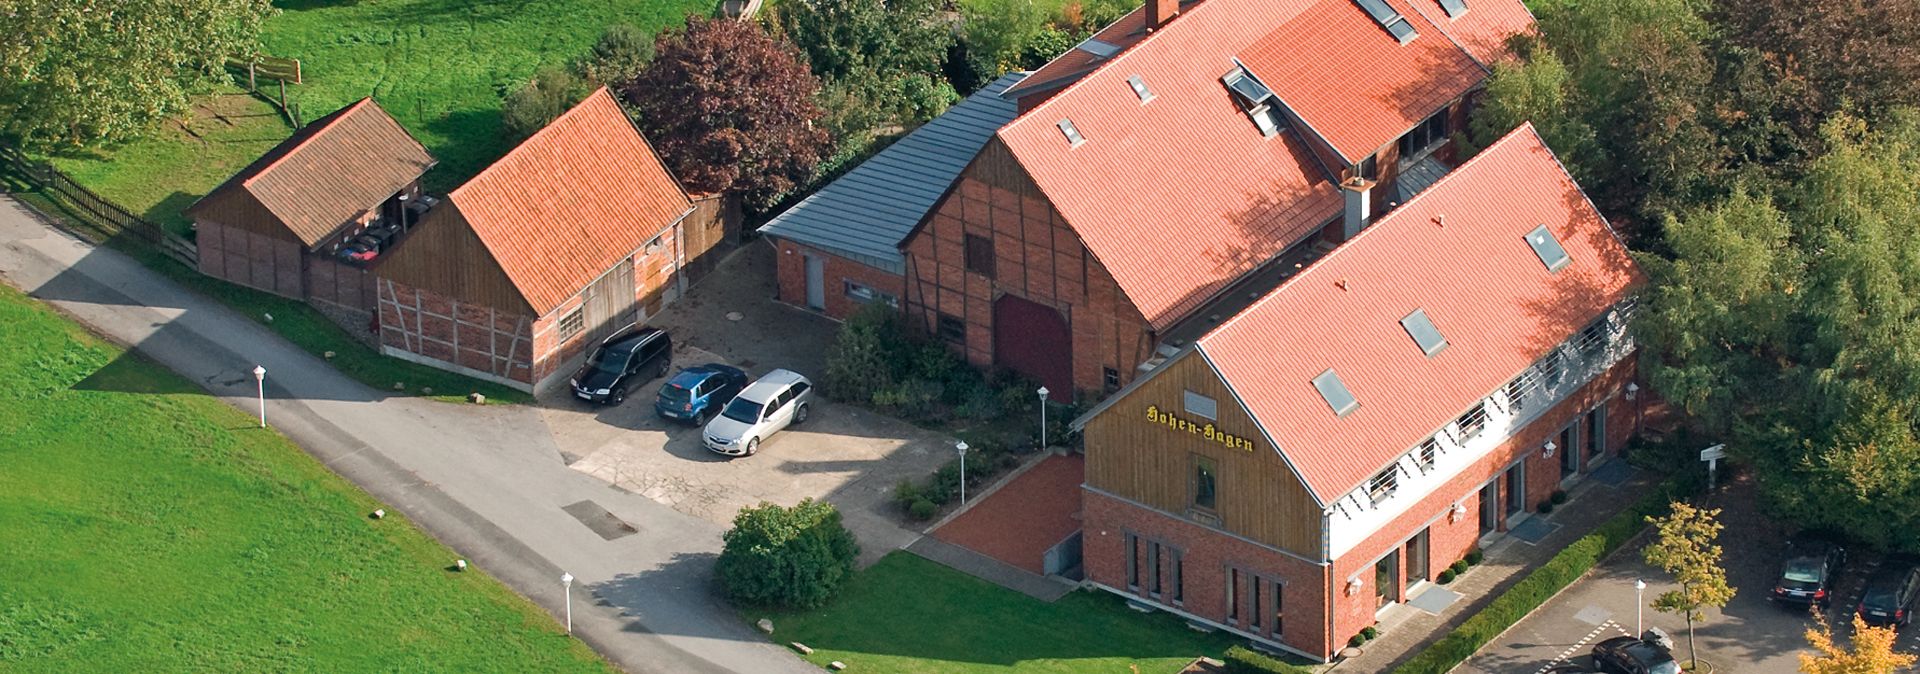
(95, 211)
(276, 69)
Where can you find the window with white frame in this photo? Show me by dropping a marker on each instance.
(1473, 422)
(1383, 484)
(863, 293)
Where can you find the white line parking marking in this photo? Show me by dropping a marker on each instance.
(1566, 656)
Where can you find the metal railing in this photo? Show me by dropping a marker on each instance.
(94, 211)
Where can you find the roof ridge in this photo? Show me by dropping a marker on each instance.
(544, 130)
(1384, 220)
(1116, 58)
(344, 113)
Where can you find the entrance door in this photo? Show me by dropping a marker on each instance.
(1033, 339)
(1516, 488)
(610, 302)
(1386, 579)
(1417, 557)
(1596, 432)
(816, 283)
(1490, 507)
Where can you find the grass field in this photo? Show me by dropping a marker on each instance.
(439, 66)
(150, 528)
(906, 615)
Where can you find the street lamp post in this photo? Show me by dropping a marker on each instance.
(566, 581)
(961, 446)
(1639, 604)
(260, 382)
(1043, 417)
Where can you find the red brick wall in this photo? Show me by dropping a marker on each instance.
(1036, 257)
(488, 342)
(790, 269)
(1207, 555)
(249, 259)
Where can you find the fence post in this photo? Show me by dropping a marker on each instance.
(283, 93)
(251, 85)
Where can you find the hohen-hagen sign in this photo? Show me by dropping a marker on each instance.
(1205, 430)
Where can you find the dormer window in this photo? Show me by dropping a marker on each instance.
(1389, 19)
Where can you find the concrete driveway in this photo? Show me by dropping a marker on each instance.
(843, 455)
(1752, 635)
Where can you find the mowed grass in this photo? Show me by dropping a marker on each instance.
(907, 615)
(150, 528)
(439, 66)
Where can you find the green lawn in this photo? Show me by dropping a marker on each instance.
(907, 615)
(150, 528)
(440, 66)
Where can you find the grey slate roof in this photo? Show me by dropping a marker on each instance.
(1418, 177)
(865, 214)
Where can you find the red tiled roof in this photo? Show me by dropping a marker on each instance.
(1180, 196)
(1483, 31)
(562, 208)
(1123, 33)
(1352, 82)
(1476, 278)
(331, 171)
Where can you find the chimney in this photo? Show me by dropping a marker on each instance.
(1159, 12)
(1358, 209)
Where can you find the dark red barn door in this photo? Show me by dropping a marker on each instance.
(1033, 339)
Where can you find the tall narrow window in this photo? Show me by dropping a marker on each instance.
(1153, 569)
(1279, 606)
(1233, 596)
(1178, 569)
(1253, 618)
(1205, 483)
(1133, 561)
(1109, 379)
(980, 255)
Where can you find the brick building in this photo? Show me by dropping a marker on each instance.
(840, 248)
(1309, 464)
(307, 219)
(573, 234)
(1183, 161)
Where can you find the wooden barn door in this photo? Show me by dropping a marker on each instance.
(1033, 339)
(610, 302)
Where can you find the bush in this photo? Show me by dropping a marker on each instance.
(618, 55)
(1559, 496)
(1474, 556)
(921, 510)
(906, 493)
(1370, 632)
(1243, 660)
(1545, 506)
(1539, 586)
(1459, 566)
(786, 557)
(551, 92)
(1446, 575)
(860, 365)
(1356, 640)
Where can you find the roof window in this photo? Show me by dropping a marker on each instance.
(1424, 335)
(1250, 92)
(1454, 8)
(1140, 88)
(1389, 19)
(1335, 393)
(1548, 248)
(1074, 139)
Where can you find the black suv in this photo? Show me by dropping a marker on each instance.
(1807, 576)
(632, 356)
(1631, 655)
(1890, 594)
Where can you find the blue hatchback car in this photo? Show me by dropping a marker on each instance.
(695, 394)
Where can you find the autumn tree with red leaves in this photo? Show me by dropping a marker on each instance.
(731, 109)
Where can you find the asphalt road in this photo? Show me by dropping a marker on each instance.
(490, 483)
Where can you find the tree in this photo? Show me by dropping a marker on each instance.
(1684, 546)
(76, 71)
(865, 354)
(1872, 652)
(730, 109)
(789, 557)
(551, 92)
(1534, 88)
(998, 32)
(1856, 54)
(879, 61)
(618, 56)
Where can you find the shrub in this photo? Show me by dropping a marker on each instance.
(1446, 575)
(1243, 660)
(1459, 566)
(1356, 640)
(551, 92)
(1545, 506)
(859, 365)
(906, 493)
(787, 557)
(1474, 556)
(618, 56)
(1005, 461)
(1370, 632)
(921, 510)
(1559, 496)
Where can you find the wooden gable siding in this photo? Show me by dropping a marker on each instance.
(442, 254)
(237, 208)
(1147, 461)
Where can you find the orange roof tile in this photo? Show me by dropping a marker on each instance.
(1122, 34)
(569, 203)
(1485, 27)
(1355, 85)
(1473, 274)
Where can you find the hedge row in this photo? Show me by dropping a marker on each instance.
(1539, 586)
(1243, 660)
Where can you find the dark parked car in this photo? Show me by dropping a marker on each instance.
(696, 393)
(632, 356)
(1807, 575)
(1890, 595)
(1631, 655)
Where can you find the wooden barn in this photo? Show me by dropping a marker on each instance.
(575, 233)
(308, 219)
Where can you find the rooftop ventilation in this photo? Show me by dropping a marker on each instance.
(1454, 8)
(1140, 88)
(1074, 139)
(1548, 248)
(1335, 393)
(1389, 19)
(1424, 335)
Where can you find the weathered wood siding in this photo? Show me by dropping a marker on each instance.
(443, 255)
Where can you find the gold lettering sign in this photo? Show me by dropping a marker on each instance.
(1205, 430)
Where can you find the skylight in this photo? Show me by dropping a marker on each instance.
(1548, 248)
(1454, 8)
(1140, 88)
(1098, 48)
(1335, 393)
(1074, 139)
(1389, 19)
(1424, 335)
(1252, 93)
